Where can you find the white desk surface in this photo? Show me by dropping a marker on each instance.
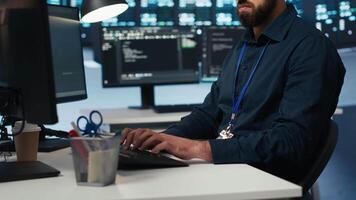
(128, 116)
(196, 182)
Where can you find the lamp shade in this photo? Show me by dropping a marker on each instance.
(98, 10)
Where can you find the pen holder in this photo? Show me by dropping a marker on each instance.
(95, 160)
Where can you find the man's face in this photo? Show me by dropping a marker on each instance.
(254, 12)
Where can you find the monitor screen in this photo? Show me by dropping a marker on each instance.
(67, 53)
(150, 56)
(217, 42)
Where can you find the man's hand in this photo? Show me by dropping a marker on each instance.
(183, 148)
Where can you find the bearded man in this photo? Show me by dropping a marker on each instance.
(272, 102)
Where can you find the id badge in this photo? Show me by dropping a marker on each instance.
(226, 133)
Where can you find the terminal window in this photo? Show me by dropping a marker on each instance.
(150, 56)
(217, 42)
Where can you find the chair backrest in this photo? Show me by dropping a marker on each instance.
(323, 154)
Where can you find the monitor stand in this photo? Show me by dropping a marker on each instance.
(147, 98)
(148, 102)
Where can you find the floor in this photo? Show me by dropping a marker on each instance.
(338, 181)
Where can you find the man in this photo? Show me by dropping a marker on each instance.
(272, 102)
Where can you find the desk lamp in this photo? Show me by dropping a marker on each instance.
(98, 10)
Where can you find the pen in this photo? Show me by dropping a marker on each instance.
(76, 129)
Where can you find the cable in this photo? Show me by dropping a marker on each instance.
(10, 100)
(6, 104)
(23, 117)
(5, 150)
(12, 94)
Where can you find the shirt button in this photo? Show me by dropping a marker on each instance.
(244, 67)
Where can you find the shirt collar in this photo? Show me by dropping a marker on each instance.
(278, 29)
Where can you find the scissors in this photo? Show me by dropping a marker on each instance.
(91, 127)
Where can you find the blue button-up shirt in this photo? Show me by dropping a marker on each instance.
(288, 104)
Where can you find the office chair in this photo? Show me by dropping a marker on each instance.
(323, 154)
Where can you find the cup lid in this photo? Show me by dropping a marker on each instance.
(27, 128)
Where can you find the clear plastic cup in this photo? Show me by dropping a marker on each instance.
(95, 160)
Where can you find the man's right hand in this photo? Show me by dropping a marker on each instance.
(147, 139)
(139, 138)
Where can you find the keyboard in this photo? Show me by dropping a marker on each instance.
(174, 108)
(14, 171)
(136, 159)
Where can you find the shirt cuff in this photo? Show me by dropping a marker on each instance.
(225, 151)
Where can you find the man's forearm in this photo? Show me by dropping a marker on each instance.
(190, 148)
(204, 151)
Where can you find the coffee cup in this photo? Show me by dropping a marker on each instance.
(26, 142)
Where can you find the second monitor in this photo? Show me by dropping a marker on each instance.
(216, 44)
(150, 56)
(67, 53)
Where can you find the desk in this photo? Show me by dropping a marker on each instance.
(197, 182)
(119, 118)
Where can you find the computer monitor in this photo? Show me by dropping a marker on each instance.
(67, 55)
(27, 75)
(150, 56)
(26, 60)
(217, 42)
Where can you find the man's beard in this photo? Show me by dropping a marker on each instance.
(258, 15)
